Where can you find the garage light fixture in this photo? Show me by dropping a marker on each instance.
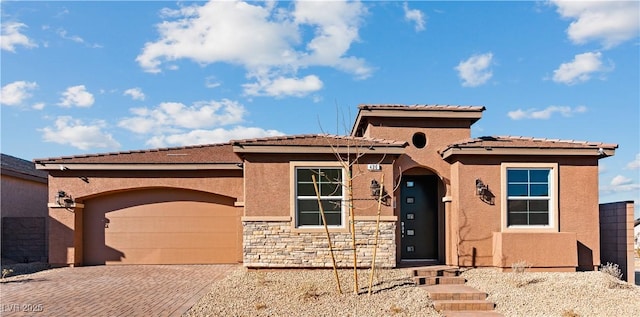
(64, 199)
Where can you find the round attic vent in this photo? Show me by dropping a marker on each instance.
(419, 140)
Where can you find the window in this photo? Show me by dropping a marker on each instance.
(530, 195)
(330, 187)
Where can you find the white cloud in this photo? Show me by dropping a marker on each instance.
(38, 106)
(173, 116)
(75, 38)
(134, 93)
(635, 164)
(11, 37)
(415, 16)
(280, 87)
(211, 82)
(218, 135)
(205, 122)
(76, 96)
(265, 39)
(475, 71)
(545, 113)
(620, 183)
(69, 131)
(580, 69)
(15, 93)
(609, 22)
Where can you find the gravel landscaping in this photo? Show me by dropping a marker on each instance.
(313, 293)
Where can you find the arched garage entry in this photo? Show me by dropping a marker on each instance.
(161, 226)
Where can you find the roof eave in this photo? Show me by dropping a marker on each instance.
(137, 166)
(354, 149)
(471, 114)
(596, 152)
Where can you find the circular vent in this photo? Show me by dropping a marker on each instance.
(419, 140)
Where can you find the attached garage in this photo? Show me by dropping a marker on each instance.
(161, 226)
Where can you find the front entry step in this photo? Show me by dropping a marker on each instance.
(437, 275)
(449, 294)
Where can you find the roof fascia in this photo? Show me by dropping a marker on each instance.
(473, 115)
(318, 149)
(137, 167)
(528, 151)
(24, 176)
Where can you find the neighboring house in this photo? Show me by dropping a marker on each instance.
(452, 199)
(24, 210)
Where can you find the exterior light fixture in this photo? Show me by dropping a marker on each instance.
(481, 187)
(375, 188)
(64, 199)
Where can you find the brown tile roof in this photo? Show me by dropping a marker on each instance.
(18, 167)
(213, 153)
(527, 142)
(319, 140)
(420, 107)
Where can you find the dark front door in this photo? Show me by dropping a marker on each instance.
(419, 213)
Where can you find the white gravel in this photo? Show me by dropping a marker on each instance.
(557, 294)
(313, 293)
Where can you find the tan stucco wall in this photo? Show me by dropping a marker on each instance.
(268, 183)
(65, 231)
(477, 220)
(551, 250)
(22, 198)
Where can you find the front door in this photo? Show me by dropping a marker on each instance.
(419, 217)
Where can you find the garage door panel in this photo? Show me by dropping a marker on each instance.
(223, 223)
(174, 256)
(145, 227)
(161, 240)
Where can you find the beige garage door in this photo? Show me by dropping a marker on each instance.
(161, 226)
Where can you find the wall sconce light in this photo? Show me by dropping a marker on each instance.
(481, 187)
(64, 199)
(375, 188)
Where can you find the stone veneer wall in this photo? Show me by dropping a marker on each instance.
(272, 244)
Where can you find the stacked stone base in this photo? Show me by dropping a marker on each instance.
(273, 244)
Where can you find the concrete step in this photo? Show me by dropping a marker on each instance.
(469, 305)
(438, 280)
(436, 270)
(454, 292)
(452, 313)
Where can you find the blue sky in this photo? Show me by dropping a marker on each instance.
(88, 77)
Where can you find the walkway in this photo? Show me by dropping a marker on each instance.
(132, 290)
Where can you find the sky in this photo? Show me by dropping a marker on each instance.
(105, 76)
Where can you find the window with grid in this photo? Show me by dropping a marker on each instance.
(529, 196)
(329, 181)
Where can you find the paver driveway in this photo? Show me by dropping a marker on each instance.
(132, 290)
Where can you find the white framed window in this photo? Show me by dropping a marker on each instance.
(330, 182)
(529, 196)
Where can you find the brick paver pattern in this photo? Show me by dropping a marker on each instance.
(131, 290)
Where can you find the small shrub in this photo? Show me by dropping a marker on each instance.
(6, 272)
(570, 313)
(611, 269)
(309, 291)
(395, 309)
(261, 278)
(520, 266)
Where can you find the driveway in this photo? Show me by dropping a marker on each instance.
(131, 290)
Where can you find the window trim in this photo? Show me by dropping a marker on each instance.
(553, 197)
(293, 167)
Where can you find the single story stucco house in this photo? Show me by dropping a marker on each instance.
(448, 198)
